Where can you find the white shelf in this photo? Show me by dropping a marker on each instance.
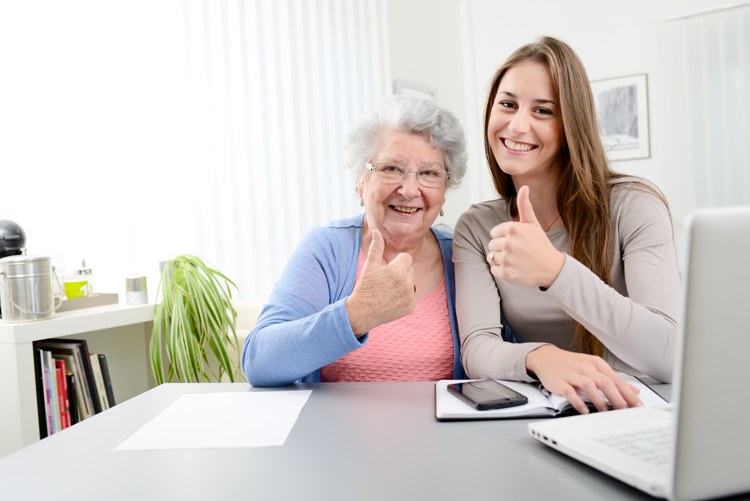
(121, 332)
(76, 321)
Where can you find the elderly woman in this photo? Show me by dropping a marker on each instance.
(371, 297)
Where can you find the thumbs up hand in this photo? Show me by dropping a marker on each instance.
(525, 210)
(520, 253)
(384, 291)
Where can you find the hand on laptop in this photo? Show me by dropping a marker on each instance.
(564, 372)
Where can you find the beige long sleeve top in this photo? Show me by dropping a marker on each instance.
(635, 317)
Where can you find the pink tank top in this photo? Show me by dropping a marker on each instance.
(417, 347)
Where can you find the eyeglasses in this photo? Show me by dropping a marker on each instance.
(429, 177)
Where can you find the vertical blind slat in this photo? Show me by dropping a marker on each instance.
(277, 85)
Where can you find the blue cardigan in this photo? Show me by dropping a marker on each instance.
(305, 326)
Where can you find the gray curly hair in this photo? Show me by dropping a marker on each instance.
(407, 114)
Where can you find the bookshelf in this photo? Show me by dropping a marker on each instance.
(119, 331)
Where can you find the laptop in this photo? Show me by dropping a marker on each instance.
(698, 446)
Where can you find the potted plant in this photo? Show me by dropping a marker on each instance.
(194, 322)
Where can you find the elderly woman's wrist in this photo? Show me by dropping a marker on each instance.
(358, 324)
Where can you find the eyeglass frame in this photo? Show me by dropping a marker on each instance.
(371, 167)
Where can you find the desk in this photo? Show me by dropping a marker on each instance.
(352, 441)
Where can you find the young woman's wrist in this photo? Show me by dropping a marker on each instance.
(556, 266)
(533, 357)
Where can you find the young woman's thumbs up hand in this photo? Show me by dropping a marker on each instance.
(520, 253)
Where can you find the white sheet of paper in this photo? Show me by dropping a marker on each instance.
(221, 420)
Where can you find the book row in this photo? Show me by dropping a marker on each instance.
(71, 384)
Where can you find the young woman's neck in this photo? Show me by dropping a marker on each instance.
(543, 196)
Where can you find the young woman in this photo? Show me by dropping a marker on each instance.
(581, 259)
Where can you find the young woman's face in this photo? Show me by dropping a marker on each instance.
(525, 127)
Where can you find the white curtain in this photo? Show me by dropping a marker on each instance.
(707, 62)
(131, 131)
(276, 85)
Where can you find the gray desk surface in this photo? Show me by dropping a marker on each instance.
(351, 441)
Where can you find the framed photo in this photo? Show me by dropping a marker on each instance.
(622, 106)
(410, 89)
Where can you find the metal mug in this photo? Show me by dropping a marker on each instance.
(26, 288)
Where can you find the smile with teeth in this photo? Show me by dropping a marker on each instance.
(407, 210)
(514, 146)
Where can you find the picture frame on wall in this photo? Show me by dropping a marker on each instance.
(411, 89)
(622, 108)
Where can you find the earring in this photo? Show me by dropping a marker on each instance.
(441, 212)
(361, 202)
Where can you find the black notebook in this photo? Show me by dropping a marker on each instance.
(79, 349)
(74, 417)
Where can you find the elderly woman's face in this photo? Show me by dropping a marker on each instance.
(405, 209)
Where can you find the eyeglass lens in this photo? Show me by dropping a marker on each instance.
(426, 176)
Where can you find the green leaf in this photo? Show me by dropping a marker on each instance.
(195, 321)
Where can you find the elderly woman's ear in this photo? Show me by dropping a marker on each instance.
(358, 191)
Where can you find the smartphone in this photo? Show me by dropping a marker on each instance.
(487, 394)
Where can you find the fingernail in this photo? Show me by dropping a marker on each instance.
(639, 404)
(583, 410)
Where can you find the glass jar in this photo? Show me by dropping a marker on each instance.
(85, 274)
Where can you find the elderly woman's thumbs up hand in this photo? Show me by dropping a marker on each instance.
(384, 292)
(521, 254)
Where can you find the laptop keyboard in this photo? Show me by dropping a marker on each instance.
(648, 444)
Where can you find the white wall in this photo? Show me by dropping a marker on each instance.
(92, 131)
(612, 38)
(133, 131)
(425, 48)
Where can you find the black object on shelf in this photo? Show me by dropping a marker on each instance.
(74, 417)
(107, 380)
(12, 238)
(40, 396)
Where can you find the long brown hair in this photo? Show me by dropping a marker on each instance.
(583, 193)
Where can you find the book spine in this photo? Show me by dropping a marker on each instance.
(76, 392)
(48, 397)
(107, 379)
(53, 399)
(60, 398)
(41, 391)
(73, 391)
(90, 381)
(65, 397)
(96, 368)
(83, 384)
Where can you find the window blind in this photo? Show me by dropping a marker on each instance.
(707, 58)
(276, 86)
